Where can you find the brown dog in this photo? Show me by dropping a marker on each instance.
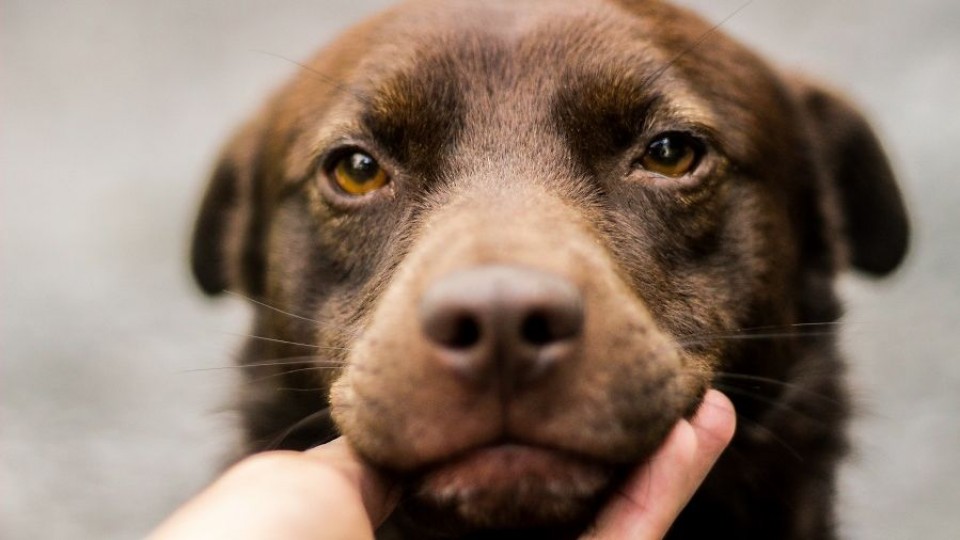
(502, 247)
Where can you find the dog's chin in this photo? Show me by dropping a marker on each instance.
(510, 486)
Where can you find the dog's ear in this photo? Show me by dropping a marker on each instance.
(870, 208)
(227, 252)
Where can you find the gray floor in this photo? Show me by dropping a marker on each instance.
(111, 115)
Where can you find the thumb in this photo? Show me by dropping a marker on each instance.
(654, 496)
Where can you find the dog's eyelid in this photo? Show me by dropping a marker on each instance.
(329, 151)
(362, 140)
(697, 130)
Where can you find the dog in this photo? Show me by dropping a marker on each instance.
(502, 247)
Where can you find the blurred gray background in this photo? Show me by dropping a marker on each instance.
(110, 116)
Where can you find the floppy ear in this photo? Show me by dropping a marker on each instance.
(871, 210)
(227, 250)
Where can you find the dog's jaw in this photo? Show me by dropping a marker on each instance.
(513, 485)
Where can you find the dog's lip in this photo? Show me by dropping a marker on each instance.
(508, 466)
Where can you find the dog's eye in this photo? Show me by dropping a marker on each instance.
(672, 154)
(358, 174)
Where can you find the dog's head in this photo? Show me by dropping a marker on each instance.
(519, 232)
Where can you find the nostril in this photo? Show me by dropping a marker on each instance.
(543, 327)
(464, 333)
(449, 324)
(536, 330)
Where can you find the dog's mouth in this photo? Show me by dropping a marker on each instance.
(510, 483)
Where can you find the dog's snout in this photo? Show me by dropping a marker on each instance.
(502, 322)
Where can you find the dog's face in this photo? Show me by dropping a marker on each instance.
(517, 233)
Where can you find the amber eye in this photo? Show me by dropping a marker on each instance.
(358, 174)
(672, 154)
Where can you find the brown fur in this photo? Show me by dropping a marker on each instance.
(511, 132)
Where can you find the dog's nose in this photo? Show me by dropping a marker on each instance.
(506, 323)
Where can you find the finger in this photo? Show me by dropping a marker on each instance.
(656, 493)
(715, 423)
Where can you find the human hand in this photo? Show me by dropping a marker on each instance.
(328, 493)
(321, 494)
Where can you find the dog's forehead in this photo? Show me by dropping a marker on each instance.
(427, 73)
(502, 46)
(549, 39)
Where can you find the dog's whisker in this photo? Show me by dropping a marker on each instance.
(292, 371)
(767, 328)
(322, 77)
(752, 337)
(766, 332)
(296, 360)
(804, 325)
(779, 330)
(773, 403)
(285, 434)
(286, 342)
(317, 391)
(767, 432)
(766, 380)
(696, 44)
(286, 361)
(272, 308)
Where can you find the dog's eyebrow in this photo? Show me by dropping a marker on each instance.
(416, 116)
(603, 113)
